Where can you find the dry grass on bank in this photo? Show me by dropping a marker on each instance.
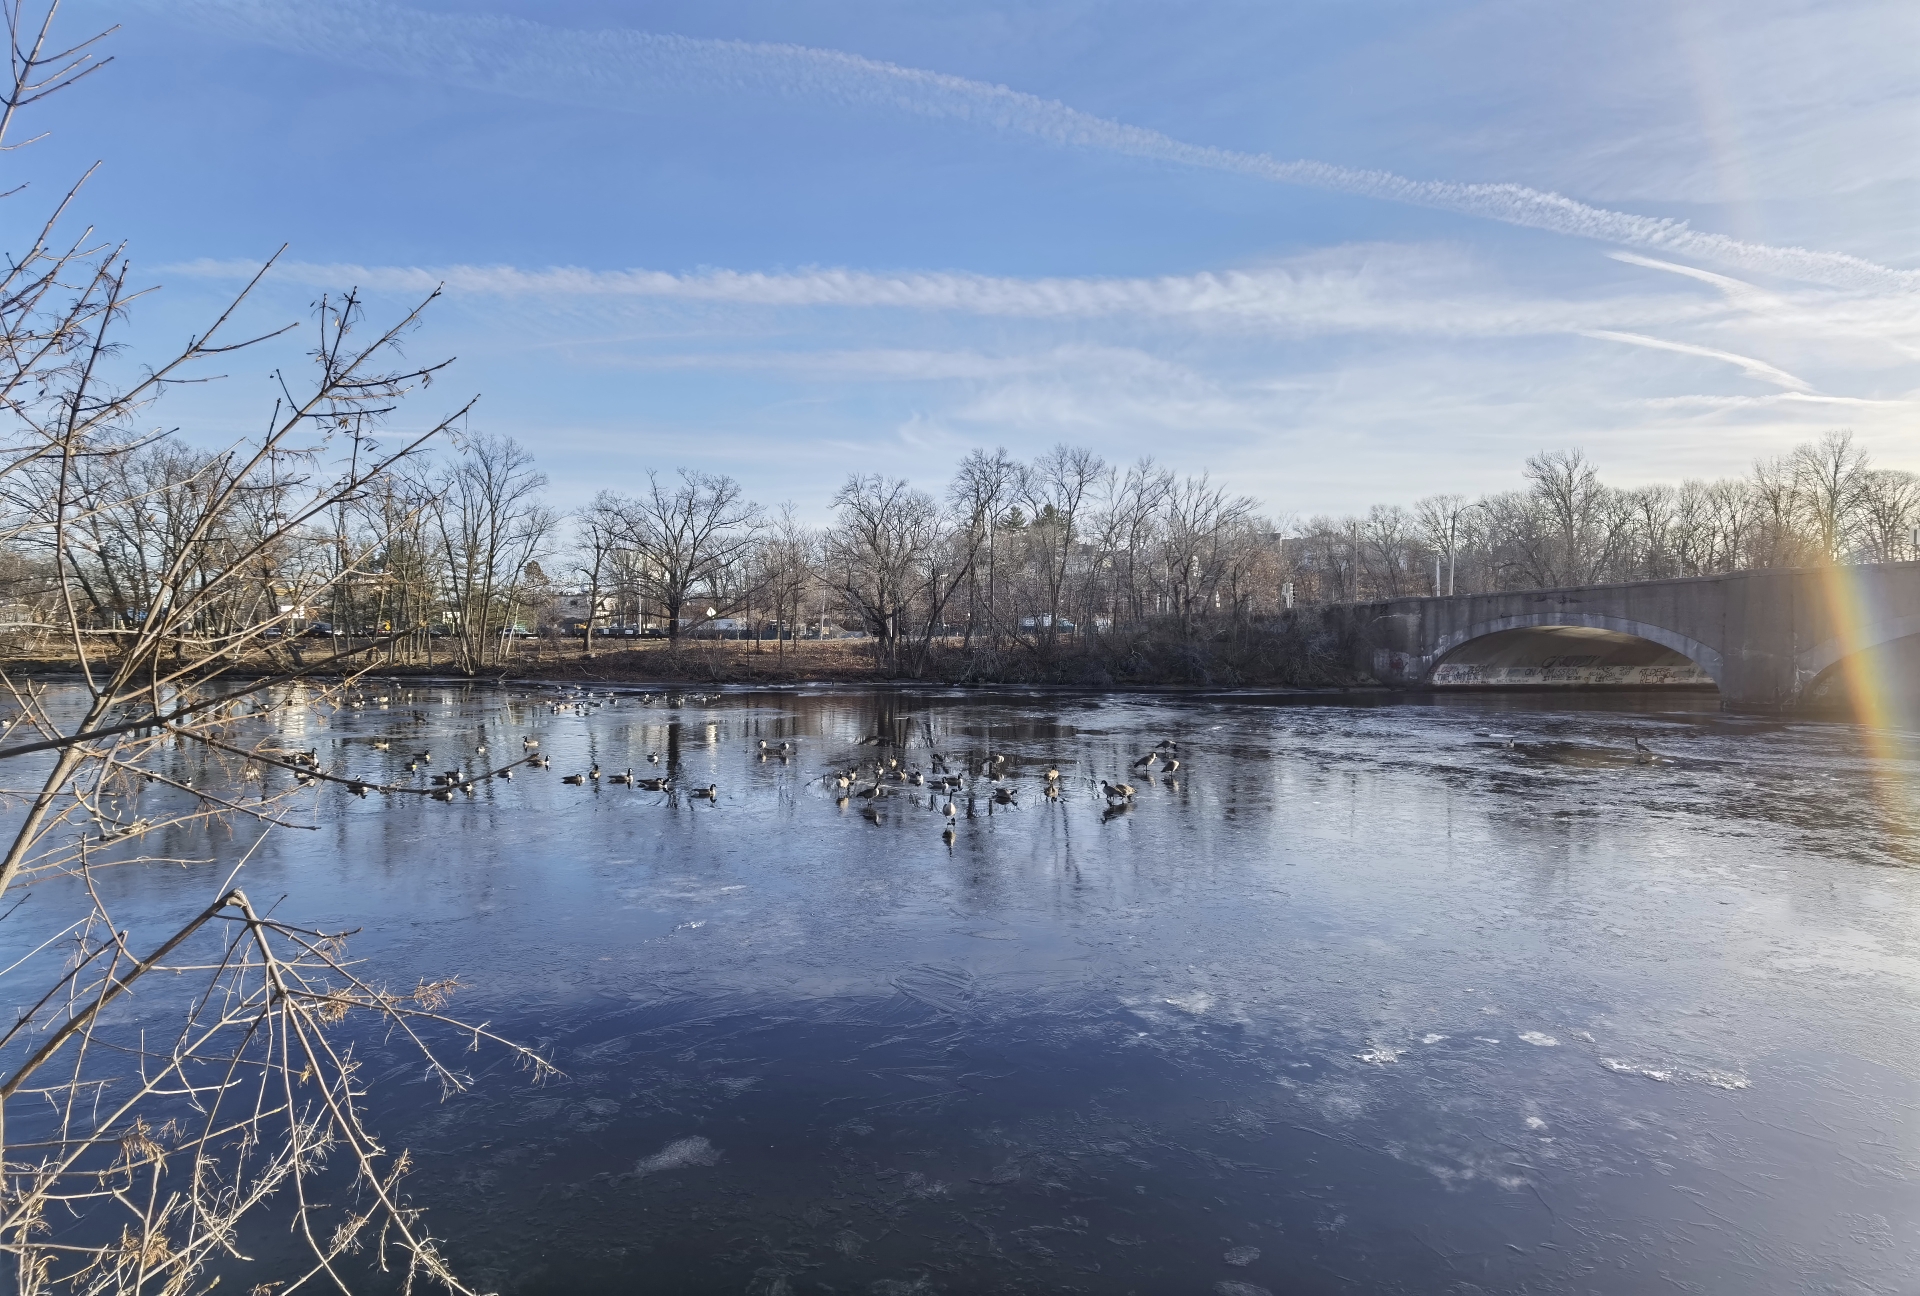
(1285, 655)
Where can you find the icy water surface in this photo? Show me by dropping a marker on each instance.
(1441, 997)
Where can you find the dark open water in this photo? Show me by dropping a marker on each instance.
(1362, 1000)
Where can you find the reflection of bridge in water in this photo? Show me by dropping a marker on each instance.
(1769, 640)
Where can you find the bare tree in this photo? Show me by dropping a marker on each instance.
(982, 491)
(600, 530)
(1445, 523)
(897, 563)
(1058, 488)
(785, 560)
(1889, 514)
(1831, 483)
(1205, 533)
(688, 536)
(490, 524)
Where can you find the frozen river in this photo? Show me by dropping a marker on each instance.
(1450, 996)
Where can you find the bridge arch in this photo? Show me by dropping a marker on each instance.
(1824, 656)
(1873, 673)
(1451, 649)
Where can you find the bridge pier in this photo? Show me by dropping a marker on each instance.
(1771, 640)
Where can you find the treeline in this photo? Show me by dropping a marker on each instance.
(1824, 502)
(1007, 558)
(1059, 567)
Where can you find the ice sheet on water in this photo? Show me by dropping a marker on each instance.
(944, 989)
(1242, 1256)
(1538, 1040)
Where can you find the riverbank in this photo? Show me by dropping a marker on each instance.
(1261, 660)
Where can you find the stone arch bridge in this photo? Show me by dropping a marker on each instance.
(1768, 640)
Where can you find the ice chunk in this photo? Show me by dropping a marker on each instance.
(678, 1155)
(1242, 1256)
(1538, 1040)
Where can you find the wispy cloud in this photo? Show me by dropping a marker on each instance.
(1407, 290)
(617, 68)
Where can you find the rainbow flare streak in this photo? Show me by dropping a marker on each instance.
(1880, 697)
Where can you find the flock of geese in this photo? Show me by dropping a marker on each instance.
(953, 793)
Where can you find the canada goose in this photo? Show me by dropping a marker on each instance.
(1006, 795)
(425, 758)
(381, 744)
(868, 793)
(505, 774)
(529, 743)
(1148, 761)
(652, 784)
(621, 778)
(948, 810)
(594, 773)
(653, 758)
(442, 794)
(916, 778)
(1053, 773)
(575, 779)
(763, 744)
(357, 788)
(1642, 754)
(1167, 744)
(1117, 791)
(710, 792)
(481, 749)
(541, 762)
(1172, 765)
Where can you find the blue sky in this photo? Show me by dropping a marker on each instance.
(1335, 253)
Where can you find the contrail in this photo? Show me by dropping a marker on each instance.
(1754, 368)
(617, 69)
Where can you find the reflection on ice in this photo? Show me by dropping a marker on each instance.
(1232, 1038)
